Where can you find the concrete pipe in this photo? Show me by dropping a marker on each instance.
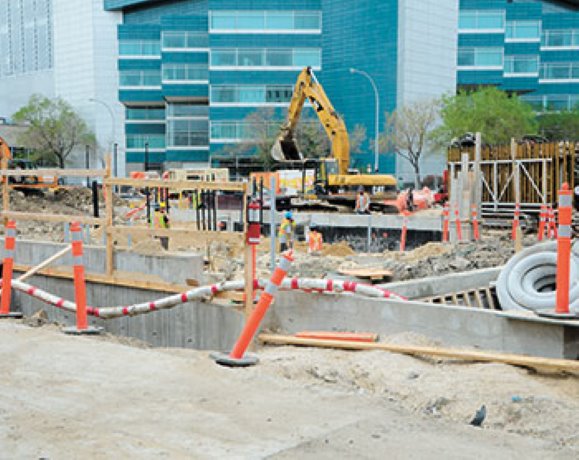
(527, 282)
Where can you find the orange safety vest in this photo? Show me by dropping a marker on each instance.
(362, 202)
(315, 241)
(160, 220)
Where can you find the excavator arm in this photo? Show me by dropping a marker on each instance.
(307, 87)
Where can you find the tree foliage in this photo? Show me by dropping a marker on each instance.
(497, 115)
(261, 130)
(557, 126)
(409, 132)
(54, 129)
(357, 138)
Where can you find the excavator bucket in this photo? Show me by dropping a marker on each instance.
(286, 149)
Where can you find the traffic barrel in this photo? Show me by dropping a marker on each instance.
(516, 221)
(445, 222)
(542, 222)
(82, 326)
(8, 266)
(474, 219)
(563, 254)
(238, 357)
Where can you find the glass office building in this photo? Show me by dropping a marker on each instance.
(191, 71)
(527, 47)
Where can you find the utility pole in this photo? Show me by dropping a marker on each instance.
(87, 163)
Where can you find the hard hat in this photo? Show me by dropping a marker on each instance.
(360, 188)
(162, 205)
(313, 225)
(288, 215)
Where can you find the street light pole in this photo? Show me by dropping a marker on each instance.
(146, 156)
(376, 116)
(113, 135)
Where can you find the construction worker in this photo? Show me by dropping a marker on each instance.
(161, 220)
(315, 240)
(362, 202)
(286, 232)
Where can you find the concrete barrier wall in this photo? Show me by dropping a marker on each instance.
(196, 325)
(170, 267)
(452, 326)
(438, 285)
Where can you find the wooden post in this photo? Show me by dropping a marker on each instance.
(478, 173)
(5, 190)
(108, 191)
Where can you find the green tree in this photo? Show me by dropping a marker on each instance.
(497, 115)
(357, 138)
(409, 132)
(54, 129)
(560, 125)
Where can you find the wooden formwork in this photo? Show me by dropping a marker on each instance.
(534, 171)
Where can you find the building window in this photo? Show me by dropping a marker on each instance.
(139, 78)
(561, 38)
(267, 57)
(187, 125)
(266, 21)
(145, 114)
(185, 73)
(480, 58)
(522, 65)
(251, 94)
(236, 131)
(523, 31)
(180, 40)
(142, 141)
(560, 71)
(481, 20)
(139, 48)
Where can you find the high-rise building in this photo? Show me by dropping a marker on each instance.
(527, 47)
(191, 71)
(64, 48)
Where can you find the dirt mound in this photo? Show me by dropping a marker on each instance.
(341, 249)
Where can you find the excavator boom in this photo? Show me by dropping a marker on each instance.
(307, 87)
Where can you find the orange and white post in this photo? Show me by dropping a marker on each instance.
(404, 231)
(516, 220)
(457, 223)
(445, 222)
(542, 222)
(238, 357)
(82, 326)
(564, 249)
(474, 221)
(8, 266)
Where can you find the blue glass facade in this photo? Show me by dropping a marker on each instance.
(527, 47)
(191, 71)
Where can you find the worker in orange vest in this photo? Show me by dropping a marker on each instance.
(315, 240)
(362, 202)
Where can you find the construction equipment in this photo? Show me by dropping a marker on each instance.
(335, 183)
(25, 182)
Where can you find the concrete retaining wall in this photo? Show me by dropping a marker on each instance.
(170, 267)
(438, 285)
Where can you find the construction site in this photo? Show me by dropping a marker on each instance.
(435, 330)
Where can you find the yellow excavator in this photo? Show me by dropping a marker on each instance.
(335, 182)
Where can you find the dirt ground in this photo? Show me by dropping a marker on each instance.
(75, 397)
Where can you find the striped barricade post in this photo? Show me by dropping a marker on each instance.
(474, 219)
(542, 223)
(552, 228)
(516, 220)
(8, 265)
(445, 222)
(82, 326)
(238, 357)
(457, 223)
(404, 231)
(563, 255)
